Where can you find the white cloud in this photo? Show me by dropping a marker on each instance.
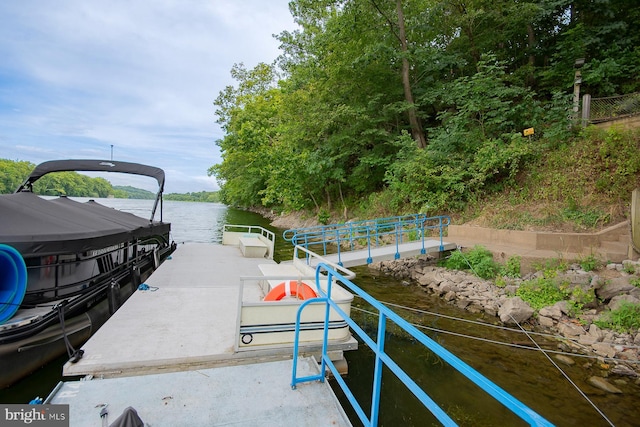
(81, 75)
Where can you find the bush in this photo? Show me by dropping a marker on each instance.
(512, 267)
(589, 263)
(540, 293)
(625, 318)
(456, 261)
(479, 260)
(324, 217)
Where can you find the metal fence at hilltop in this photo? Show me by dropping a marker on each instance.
(599, 110)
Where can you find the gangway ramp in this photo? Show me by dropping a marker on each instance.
(363, 242)
(383, 253)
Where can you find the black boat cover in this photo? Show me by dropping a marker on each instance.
(93, 165)
(40, 227)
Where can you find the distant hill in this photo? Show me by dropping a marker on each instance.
(202, 196)
(128, 192)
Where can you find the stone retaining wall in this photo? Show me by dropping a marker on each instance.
(610, 244)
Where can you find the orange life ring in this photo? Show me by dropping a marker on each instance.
(291, 288)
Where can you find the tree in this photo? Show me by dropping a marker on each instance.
(358, 76)
(12, 174)
(245, 113)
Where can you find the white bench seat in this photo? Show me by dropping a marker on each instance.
(274, 270)
(252, 247)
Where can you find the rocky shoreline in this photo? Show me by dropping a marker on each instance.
(617, 352)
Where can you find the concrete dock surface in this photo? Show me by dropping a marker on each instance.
(245, 395)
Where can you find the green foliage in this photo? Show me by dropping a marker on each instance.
(479, 260)
(133, 193)
(635, 282)
(511, 267)
(329, 122)
(625, 318)
(201, 196)
(577, 297)
(585, 217)
(540, 293)
(589, 263)
(551, 266)
(545, 291)
(12, 174)
(324, 217)
(477, 147)
(456, 261)
(73, 184)
(500, 281)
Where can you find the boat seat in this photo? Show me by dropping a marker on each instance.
(283, 270)
(252, 247)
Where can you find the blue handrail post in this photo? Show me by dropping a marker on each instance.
(351, 235)
(422, 233)
(441, 233)
(296, 346)
(324, 241)
(397, 255)
(325, 340)
(377, 373)
(339, 246)
(307, 244)
(369, 258)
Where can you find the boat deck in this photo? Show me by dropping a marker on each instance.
(245, 395)
(186, 320)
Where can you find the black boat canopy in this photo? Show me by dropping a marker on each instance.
(92, 165)
(97, 166)
(39, 227)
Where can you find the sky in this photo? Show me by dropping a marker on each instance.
(85, 79)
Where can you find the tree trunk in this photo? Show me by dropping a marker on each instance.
(326, 190)
(315, 203)
(416, 128)
(344, 206)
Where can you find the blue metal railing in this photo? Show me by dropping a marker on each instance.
(368, 233)
(324, 272)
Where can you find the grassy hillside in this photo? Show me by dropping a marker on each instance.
(582, 185)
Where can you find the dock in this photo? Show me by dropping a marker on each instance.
(170, 352)
(244, 395)
(384, 253)
(187, 319)
(200, 344)
(364, 242)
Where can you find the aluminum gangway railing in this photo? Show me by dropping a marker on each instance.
(369, 234)
(324, 272)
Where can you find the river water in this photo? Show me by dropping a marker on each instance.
(526, 374)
